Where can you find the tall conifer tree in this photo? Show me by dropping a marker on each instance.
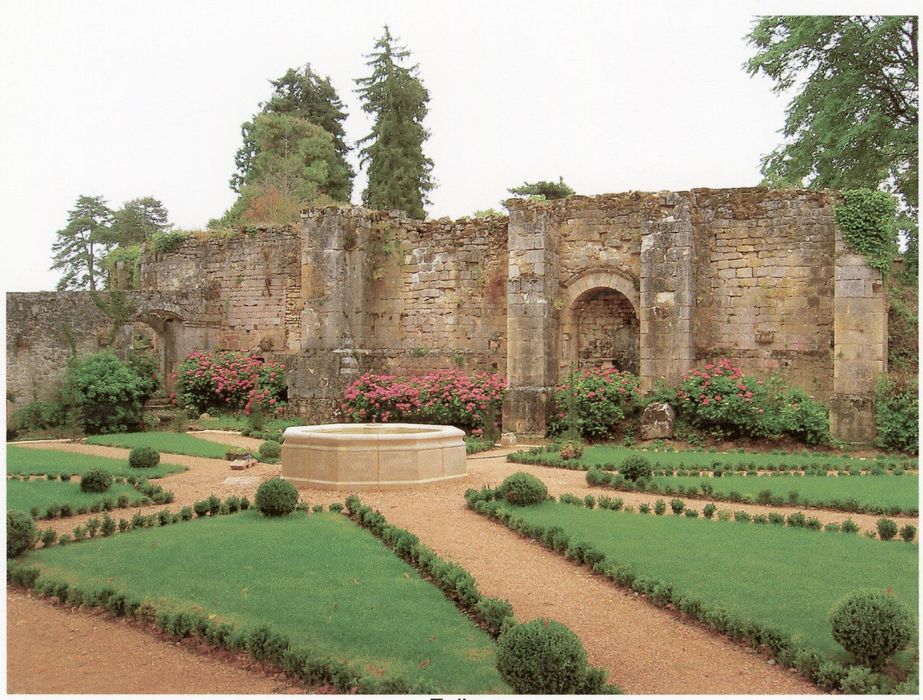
(399, 174)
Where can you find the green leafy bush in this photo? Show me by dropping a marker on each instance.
(276, 497)
(21, 533)
(602, 398)
(709, 510)
(868, 223)
(95, 481)
(270, 449)
(106, 393)
(660, 507)
(677, 505)
(542, 657)
(887, 528)
(38, 415)
(636, 468)
(908, 532)
(523, 489)
(871, 625)
(897, 414)
(144, 458)
(803, 418)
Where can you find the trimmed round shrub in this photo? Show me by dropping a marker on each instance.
(541, 657)
(523, 489)
(95, 481)
(571, 450)
(144, 458)
(21, 533)
(635, 468)
(276, 497)
(887, 528)
(271, 449)
(871, 625)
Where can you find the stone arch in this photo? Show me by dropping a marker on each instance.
(606, 304)
(168, 327)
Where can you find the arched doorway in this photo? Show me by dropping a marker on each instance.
(600, 325)
(165, 341)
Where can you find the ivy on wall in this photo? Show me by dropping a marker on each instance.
(867, 220)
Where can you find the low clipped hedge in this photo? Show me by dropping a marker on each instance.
(493, 614)
(787, 650)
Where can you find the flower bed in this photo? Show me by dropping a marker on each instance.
(231, 380)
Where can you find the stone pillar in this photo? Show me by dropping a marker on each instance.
(532, 286)
(667, 292)
(860, 345)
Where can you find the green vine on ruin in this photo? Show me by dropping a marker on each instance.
(118, 306)
(868, 222)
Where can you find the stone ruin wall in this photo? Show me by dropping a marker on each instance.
(760, 277)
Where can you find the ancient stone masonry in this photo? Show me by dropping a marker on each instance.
(652, 283)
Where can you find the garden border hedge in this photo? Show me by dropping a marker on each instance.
(828, 675)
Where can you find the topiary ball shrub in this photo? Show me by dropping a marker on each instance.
(523, 489)
(95, 481)
(541, 657)
(571, 450)
(276, 497)
(636, 468)
(270, 450)
(144, 458)
(871, 625)
(21, 533)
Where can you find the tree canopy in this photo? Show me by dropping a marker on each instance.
(399, 174)
(82, 244)
(543, 189)
(853, 121)
(304, 94)
(137, 221)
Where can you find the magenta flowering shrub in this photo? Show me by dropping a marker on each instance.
(231, 380)
(447, 397)
(603, 398)
(718, 397)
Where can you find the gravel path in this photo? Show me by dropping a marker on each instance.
(645, 649)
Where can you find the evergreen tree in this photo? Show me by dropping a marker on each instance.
(399, 174)
(81, 245)
(300, 93)
(137, 221)
(543, 189)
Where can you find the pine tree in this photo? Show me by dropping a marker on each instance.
(399, 174)
(81, 245)
(137, 221)
(301, 93)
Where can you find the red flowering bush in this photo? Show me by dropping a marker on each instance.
(231, 380)
(719, 398)
(602, 398)
(446, 397)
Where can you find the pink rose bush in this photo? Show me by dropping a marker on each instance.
(719, 398)
(232, 381)
(447, 397)
(603, 398)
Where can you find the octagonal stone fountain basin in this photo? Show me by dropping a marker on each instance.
(372, 455)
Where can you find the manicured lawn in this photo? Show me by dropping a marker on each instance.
(868, 491)
(175, 443)
(240, 423)
(786, 578)
(39, 493)
(321, 580)
(28, 460)
(600, 455)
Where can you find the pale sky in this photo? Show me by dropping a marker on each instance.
(129, 99)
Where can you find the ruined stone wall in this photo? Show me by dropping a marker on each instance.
(764, 283)
(43, 331)
(252, 282)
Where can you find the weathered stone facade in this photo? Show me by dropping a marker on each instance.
(649, 282)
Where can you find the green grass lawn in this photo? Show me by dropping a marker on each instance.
(321, 580)
(868, 491)
(600, 455)
(175, 443)
(39, 493)
(786, 578)
(225, 422)
(29, 460)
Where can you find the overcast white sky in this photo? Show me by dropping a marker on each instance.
(128, 99)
